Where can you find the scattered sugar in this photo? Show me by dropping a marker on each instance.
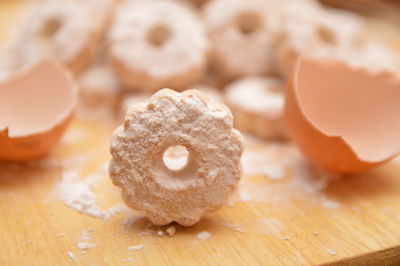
(71, 255)
(137, 247)
(203, 235)
(244, 196)
(85, 246)
(259, 163)
(160, 233)
(61, 235)
(77, 193)
(329, 204)
(330, 251)
(398, 217)
(129, 221)
(85, 241)
(127, 260)
(316, 233)
(285, 238)
(146, 232)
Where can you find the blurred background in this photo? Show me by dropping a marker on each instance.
(123, 51)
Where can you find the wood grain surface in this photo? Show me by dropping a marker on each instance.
(298, 218)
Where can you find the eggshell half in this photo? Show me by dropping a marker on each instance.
(36, 106)
(343, 119)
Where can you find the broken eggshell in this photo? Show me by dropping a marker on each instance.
(36, 106)
(343, 119)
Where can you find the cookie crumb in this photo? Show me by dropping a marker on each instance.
(85, 246)
(71, 255)
(137, 247)
(171, 231)
(203, 235)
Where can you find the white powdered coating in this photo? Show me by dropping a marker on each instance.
(170, 119)
(186, 48)
(330, 251)
(300, 181)
(85, 246)
(203, 235)
(66, 43)
(257, 163)
(71, 255)
(85, 241)
(77, 194)
(137, 247)
(236, 53)
(99, 86)
(257, 94)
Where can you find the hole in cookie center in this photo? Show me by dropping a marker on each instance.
(50, 28)
(249, 22)
(176, 157)
(159, 35)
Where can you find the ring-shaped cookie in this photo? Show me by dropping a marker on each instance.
(213, 167)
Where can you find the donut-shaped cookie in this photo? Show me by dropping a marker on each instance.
(318, 33)
(257, 105)
(68, 31)
(242, 35)
(213, 164)
(158, 44)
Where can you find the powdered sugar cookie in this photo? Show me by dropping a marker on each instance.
(213, 163)
(157, 44)
(68, 31)
(257, 106)
(319, 33)
(242, 34)
(99, 87)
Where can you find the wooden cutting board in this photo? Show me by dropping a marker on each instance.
(282, 213)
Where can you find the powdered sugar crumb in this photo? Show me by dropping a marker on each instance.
(330, 251)
(137, 247)
(203, 235)
(329, 204)
(71, 255)
(85, 246)
(233, 227)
